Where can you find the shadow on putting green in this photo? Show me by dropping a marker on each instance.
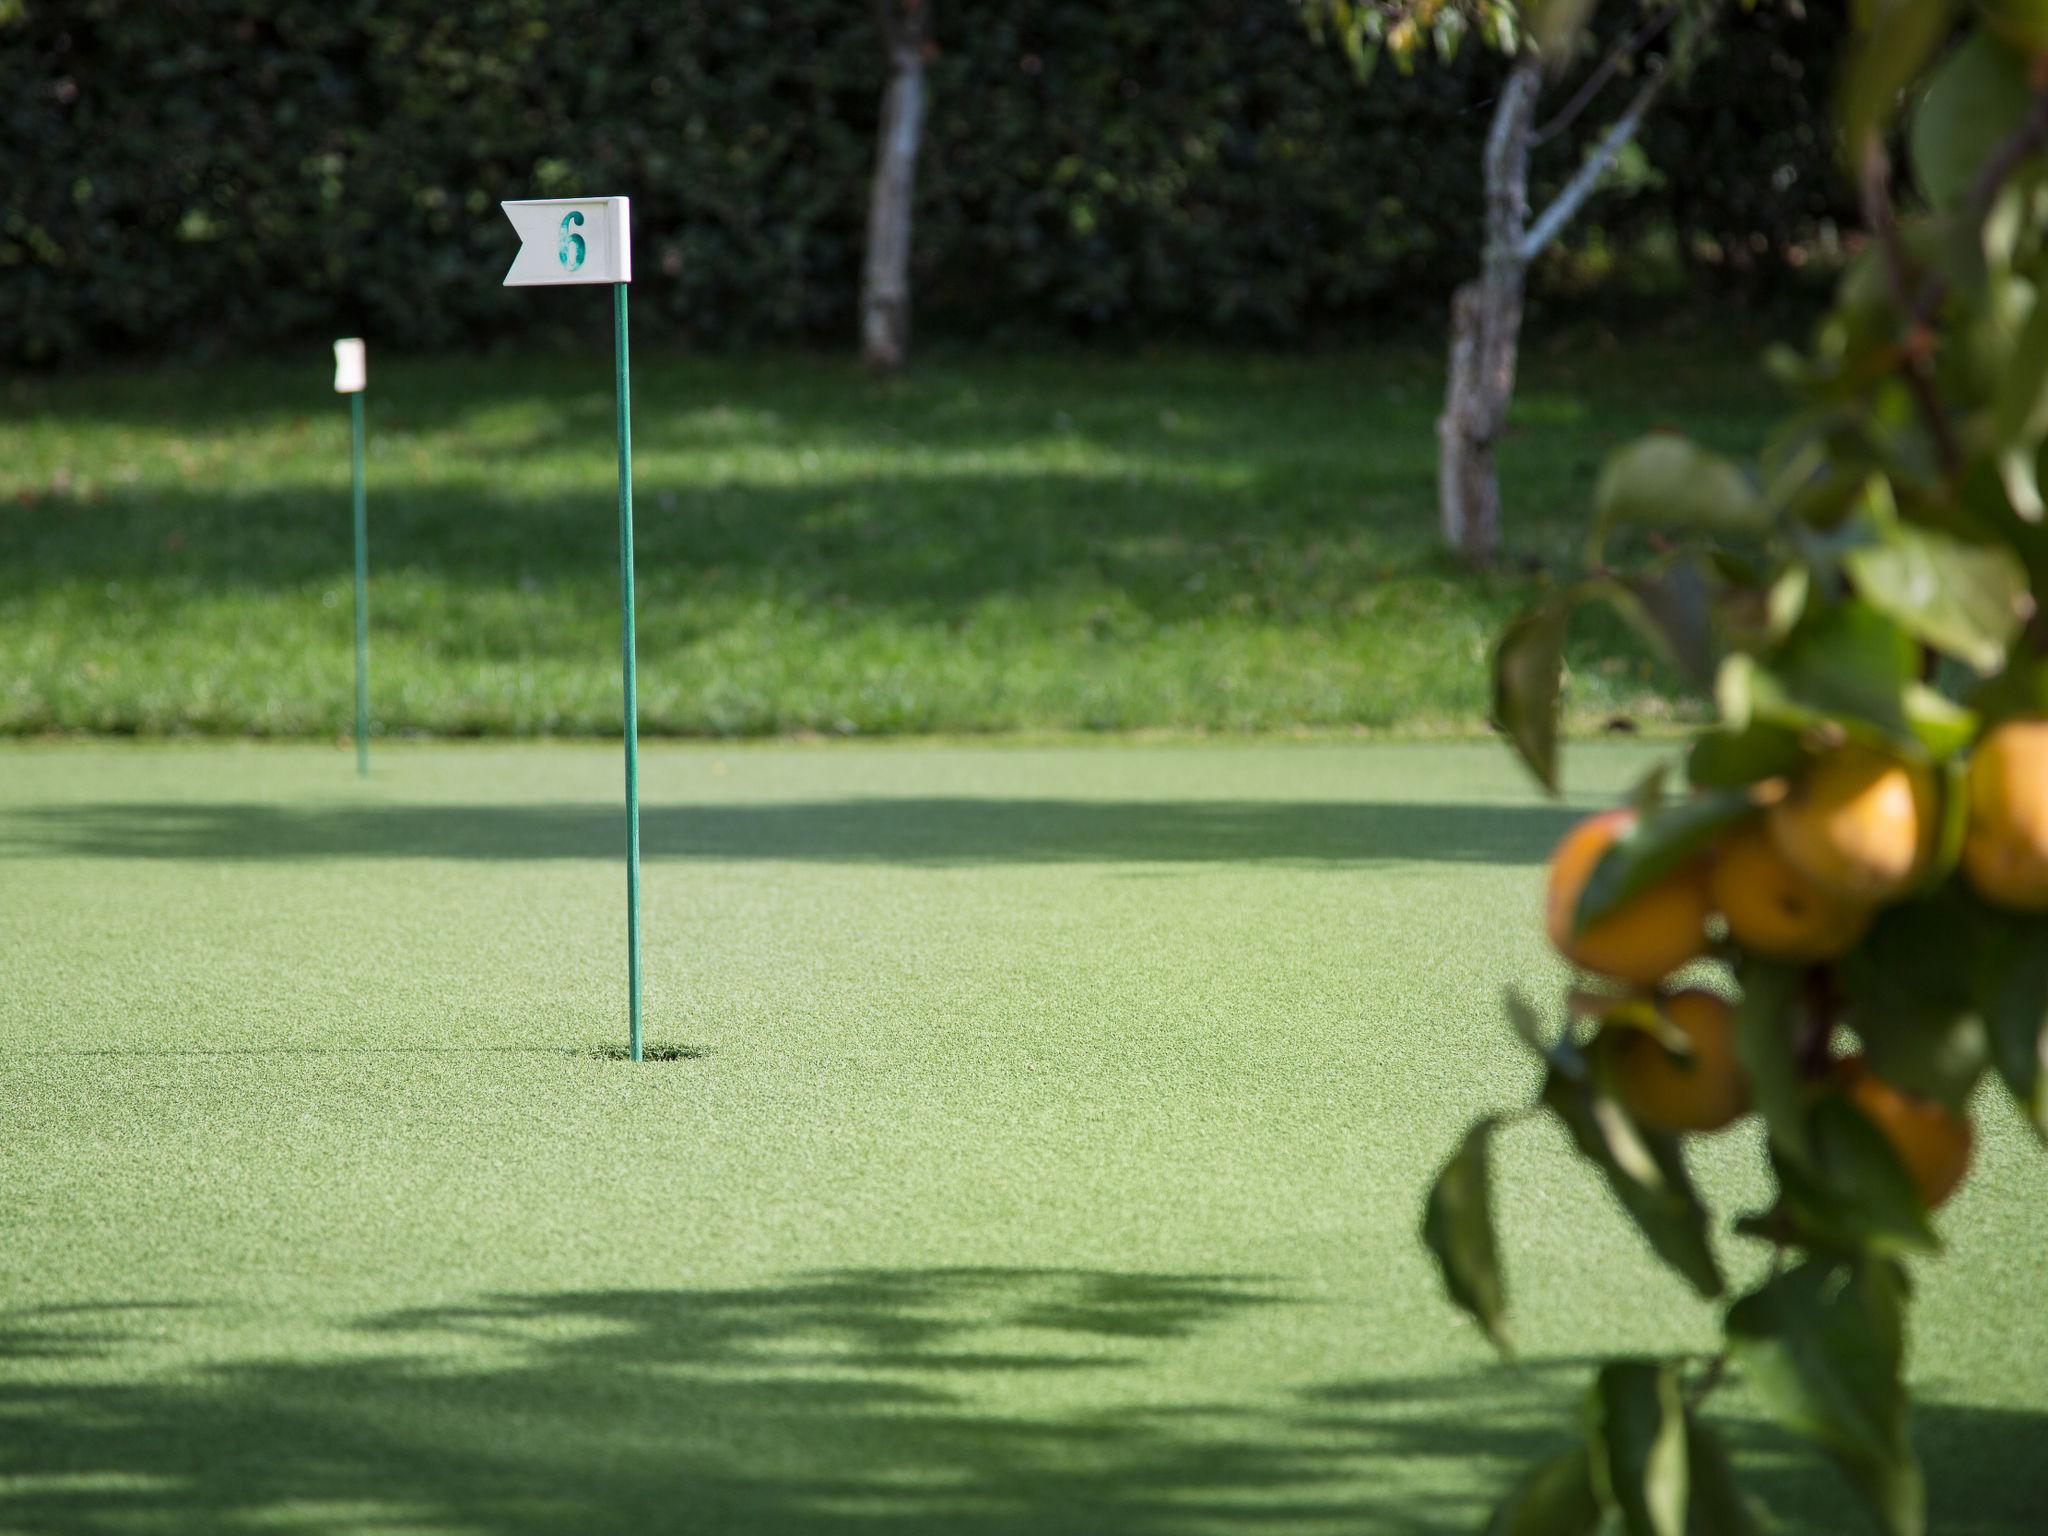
(899, 1402)
(938, 831)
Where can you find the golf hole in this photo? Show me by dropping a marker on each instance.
(653, 1053)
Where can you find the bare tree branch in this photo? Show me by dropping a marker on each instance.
(1575, 192)
(1594, 83)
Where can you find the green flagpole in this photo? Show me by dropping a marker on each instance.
(625, 402)
(355, 417)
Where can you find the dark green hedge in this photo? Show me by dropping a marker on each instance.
(188, 173)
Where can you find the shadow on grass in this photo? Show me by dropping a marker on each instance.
(957, 831)
(905, 1402)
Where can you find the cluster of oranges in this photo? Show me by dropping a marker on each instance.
(1800, 881)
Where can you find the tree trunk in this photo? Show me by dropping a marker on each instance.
(1486, 330)
(885, 285)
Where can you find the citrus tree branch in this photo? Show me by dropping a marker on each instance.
(2033, 130)
(1915, 364)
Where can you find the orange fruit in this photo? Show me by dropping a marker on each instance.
(1646, 938)
(2005, 852)
(1932, 1140)
(1772, 909)
(1859, 822)
(1702, 1091)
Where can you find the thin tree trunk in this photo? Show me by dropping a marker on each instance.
(1486, 329)
(885, 284)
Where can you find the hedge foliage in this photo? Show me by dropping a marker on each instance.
(189, 173)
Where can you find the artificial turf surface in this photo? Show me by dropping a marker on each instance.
(1042, 1151)
(1183, 541)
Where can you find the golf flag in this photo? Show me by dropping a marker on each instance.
(351, 367)
(571, 240)
(590, 240)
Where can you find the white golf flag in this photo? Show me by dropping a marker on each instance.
(351, 368)
(571, 240)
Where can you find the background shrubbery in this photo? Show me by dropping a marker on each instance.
(192, 172)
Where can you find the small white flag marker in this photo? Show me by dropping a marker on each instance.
(351, 368)
(571, 240)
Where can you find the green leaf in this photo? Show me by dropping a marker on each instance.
(1727, 759)
(1853, 1193)
(1654, 847)
(1716, 1505)
(1670, 483)
(2019, 472)
(1529, 1025)
(1952, 821)
(1888, 52)
(1528, 675)
(1973, 103)
(1820, 1346)
(1644, 1170)
(1638, 1419)
(2021, 689)
(1961, 598)
(2016, 1011)
(1785, 602)
(2019, 409)
(1555, 25)
(1557, 1499)
(1670, 609)
(1765, 1021)
(1910, 994)
(1848, 660)
(1457, 1225)
(1942, 726)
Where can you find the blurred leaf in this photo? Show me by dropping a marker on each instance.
(1670, 609)
(1952, 826)
(1670, 483)
(1853, 1193)
(1725, 759)
(1973, 103)
(1527, 1024)
(2020, 474)
(2021, 689)
(1655, 847)
(1644, 1170)
(1458, 1227)
(2016, 1010)
(2019, 413)
(1555, 25)
(1909, 993)
(1849, 660)
(1647, 796)
(1765, 1020)
(1898, 38)
(1639, 1425)
(1557, 1499)
(1528, 674)
(1961, 598)
(1939, 724)
(1716, 1506)
(1785, 604)
(1820, 1346)
(1644, 1015)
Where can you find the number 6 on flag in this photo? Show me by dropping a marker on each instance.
(571, 240)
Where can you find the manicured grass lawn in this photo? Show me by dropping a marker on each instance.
(1047, 1156)
(1189, 541)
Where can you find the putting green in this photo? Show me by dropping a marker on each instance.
(1043, 1153)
